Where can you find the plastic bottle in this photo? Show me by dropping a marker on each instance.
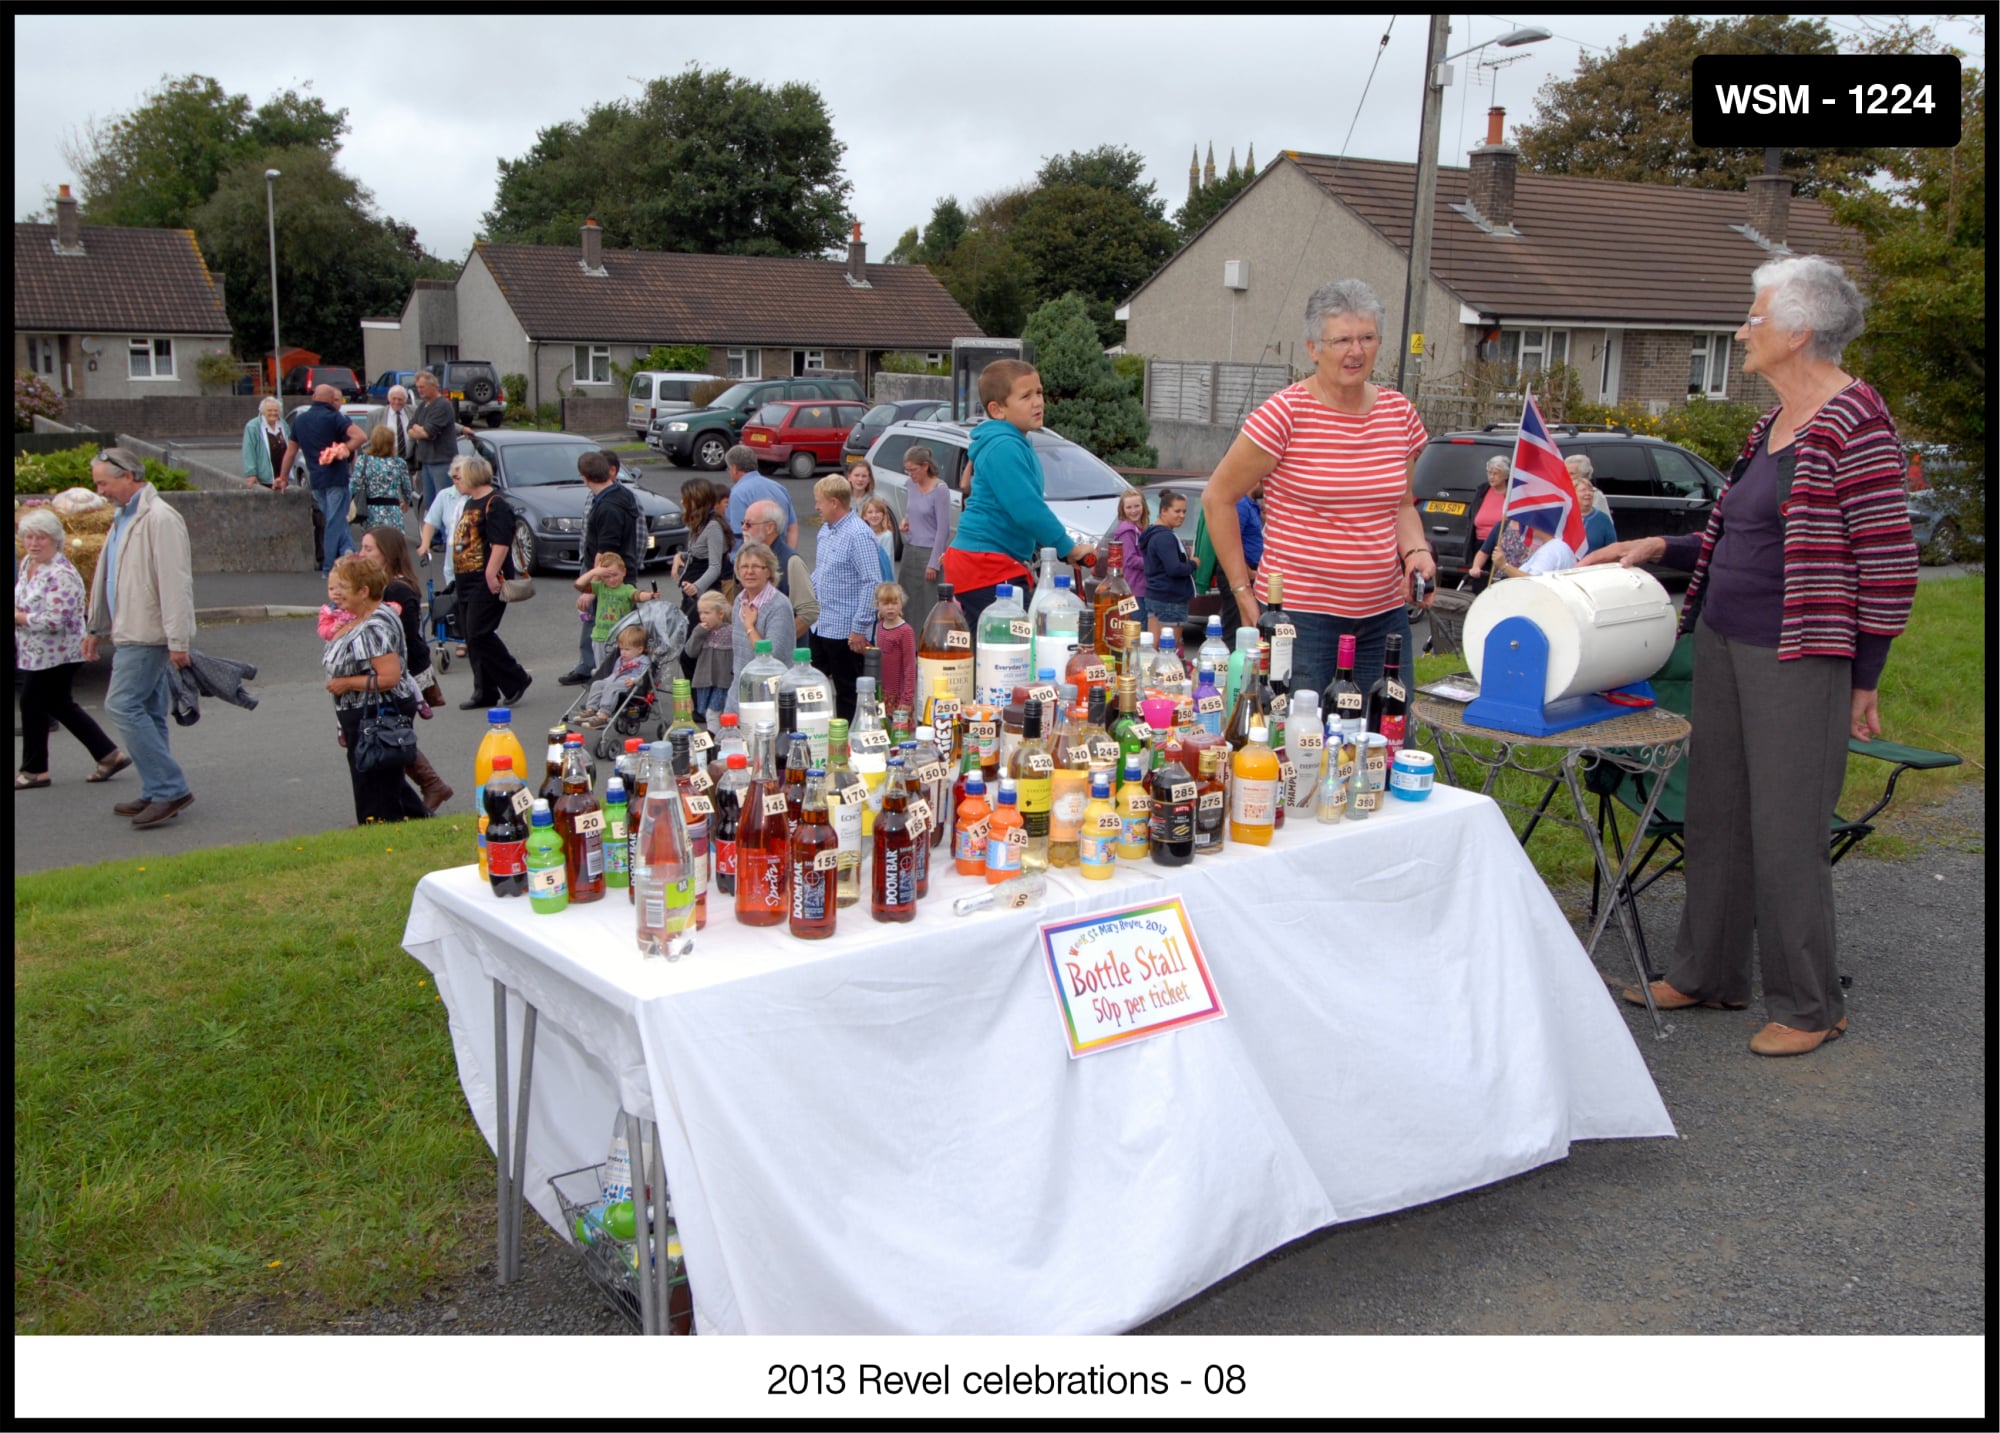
(1058, 623)
(757, 687)
(1135, 808)
(663, 879)
(1207, 697)
(1214, 648)
(846, 799)
(812, 690)
(728, 816)
(1097, 842)
(1305, 745)
(893, 882)
(1169, 676)
(815, 861)
(505, 804)
(1006, 647)
(1005, 836)
(1241, 662)
(968, 840)
(617, 840)
(729, 740)
(1174, 795)
(1142, 663)
(548, 891)
(1253, 790)
(499, 740)
(944, 654)
(630, 769)
(579, 820)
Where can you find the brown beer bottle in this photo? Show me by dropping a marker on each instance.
(815, 864)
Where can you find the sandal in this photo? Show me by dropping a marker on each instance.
(23, 782)
(109, 767)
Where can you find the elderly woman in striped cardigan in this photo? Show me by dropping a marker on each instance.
(1802, 579)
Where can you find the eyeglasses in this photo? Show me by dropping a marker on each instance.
(1341, 345)
(1754, 319)
(119, 461)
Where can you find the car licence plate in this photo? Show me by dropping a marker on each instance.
(759, 438)
(1439, 505)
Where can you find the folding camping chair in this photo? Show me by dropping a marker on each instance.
(1673, 688)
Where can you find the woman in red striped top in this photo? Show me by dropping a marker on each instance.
(1335, 454)
(1803, 577)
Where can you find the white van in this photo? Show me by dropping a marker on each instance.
(655, 395)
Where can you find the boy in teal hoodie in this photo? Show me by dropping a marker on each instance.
(1006, 518)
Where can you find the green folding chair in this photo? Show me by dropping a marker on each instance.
(1673, 688)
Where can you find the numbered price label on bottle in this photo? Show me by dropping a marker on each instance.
(700, 780)
(826, 861)
(774, 803)
(1019, 627)
(1181, 791)
(589, 823)
(1076, 755)
(1210, 801)
(1042, 694)
(1103, 751)
(933, 771)
(1395, 691)
(1310, 741)
(1097, 674)
(1017, 836)
(871, 741)
(1208, 706)
(955, 640)
(1039, 763)
(850, 795)
(1284, 632)
(701, 741)
(943, 709)
(1106, 823)
(700, 806)
(1126, 606)
(811, 696)
(919, 813)
(523, 802)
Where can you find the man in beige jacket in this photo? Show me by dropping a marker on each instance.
(142, 597)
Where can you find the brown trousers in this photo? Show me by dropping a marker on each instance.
(1765, 764)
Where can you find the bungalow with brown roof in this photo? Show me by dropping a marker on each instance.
(563, 316)
(110, 312)
(1636, 286)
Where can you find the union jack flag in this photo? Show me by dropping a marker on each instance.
(1540, 494)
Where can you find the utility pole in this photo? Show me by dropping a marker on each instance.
(1416, 286)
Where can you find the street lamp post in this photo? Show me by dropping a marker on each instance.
(1417, 282)
(271, 223)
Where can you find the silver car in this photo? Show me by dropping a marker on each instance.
(1081, 488)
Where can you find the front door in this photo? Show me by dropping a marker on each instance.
(1607, 379)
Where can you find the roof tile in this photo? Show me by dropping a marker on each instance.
(124, 281)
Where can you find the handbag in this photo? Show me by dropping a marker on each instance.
(517, 589)
(387, 740)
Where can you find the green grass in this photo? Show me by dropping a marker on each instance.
(1933, 695)
(231, 1083)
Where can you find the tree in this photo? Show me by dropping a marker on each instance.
(336, 259)
(1096, 242)
(154, 167)
(1089, 401)
(700, 163)
(1208, 201)
(1111, 167)
(1630, 114)
(1925, 278)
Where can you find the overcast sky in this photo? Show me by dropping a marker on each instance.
(925, 106)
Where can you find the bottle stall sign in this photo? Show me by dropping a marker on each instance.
(1128, 974)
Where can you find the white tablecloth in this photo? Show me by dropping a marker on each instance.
(884, 1133)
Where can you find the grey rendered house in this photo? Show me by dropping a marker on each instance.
(112, 312)
(1637, 286)
(563, 316)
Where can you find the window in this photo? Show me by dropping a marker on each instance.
(1533, 349)
(1620, 470)
(935, 360)
(1708, 366)
(811, 360)
(150, 358)
(745, 363)
(593, 363)
(42, 356)
(1680, 475)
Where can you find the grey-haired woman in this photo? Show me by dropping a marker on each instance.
(48, 648)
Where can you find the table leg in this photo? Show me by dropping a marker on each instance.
(648, 1318)
(520, 1153)
(501, 1146)
(1628, 916)
(1535, 817)
(662, 1270)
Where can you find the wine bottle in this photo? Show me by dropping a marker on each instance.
(1389, 699)
(1275, 626)
(1343, 701)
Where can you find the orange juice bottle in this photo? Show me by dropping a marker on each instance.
(1253, 789)
(968, 838)
(499, 740)
(1006, 837)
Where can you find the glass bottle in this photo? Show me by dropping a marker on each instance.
(763, 848)
(680, 721)
(691, 780)
(1242, 662)
(815, 863)
(1253, 790)
(663, 880)
(1097, 846)
(893, 885)
(1250, 697)
(1092, 732)
(728, 818)
(1006, 836)
(552, 775)
(1112, 604)
(1174, 793)
(798, 764)
(635, 795)
(1033, 770)
(1336, 777)
(1143, 657)
(846, 798)
(1210, 800)
(813, 693)
(1135, 808)
(580, 823)
(930, 783)
(1277, 631)
(944, 653)
(1129, 728)
(1343, 701)
(757, 687)
(867, 749)
(1389, 699)
(1006, 647)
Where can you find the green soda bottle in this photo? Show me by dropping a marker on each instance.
(548, 890)
(617, 850)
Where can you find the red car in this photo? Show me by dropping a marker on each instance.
(801, 435)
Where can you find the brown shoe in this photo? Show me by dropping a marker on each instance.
(161, 812)
(1665, 997)
(1776, 1039)
(430, 785)
(131, 808)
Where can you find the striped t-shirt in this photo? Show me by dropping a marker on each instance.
(1330, 505)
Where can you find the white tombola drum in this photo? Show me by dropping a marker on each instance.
(1606, 626)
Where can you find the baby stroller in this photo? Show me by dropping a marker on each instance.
(666, 629)
(444, 624)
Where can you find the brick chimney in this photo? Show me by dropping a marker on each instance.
(69, 237)
(593, 248)
(1771, 200)
(1490, 185)
(857, 259)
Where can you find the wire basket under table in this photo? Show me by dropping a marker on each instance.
(612, 1264)
(1447, 618)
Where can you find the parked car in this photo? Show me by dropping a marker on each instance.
(303, 378)
(699, 437)
(389, 378)
(801, 435)
(363, 415)
(473, 385)
(1655, 488)
(538, 473)
(1942, 529)
(1081, 488)
(655, 395)
(877, 420)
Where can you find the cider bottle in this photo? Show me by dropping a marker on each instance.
(663, 877)
(944, 655)
(815, 861)
(763, 844)
(580, 822)
(1210, 799)
(691, 781)
(893, 885)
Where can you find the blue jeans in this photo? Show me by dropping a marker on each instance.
(437, 477)
(1170, 614)
(1317, 647)
(332, 503)
(137, 700)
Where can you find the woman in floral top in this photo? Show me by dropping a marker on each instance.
(48, 648)
(382, 480)
(369, 643)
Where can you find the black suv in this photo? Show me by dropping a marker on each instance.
(473, 385)
(303, 378)
(698, 439)
(1655, 488)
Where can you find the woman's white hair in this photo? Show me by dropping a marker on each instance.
(41, 520)
(1812, 294)
(269, 403)
(1335, 299)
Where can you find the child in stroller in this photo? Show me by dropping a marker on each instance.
(624, 711)
(609, 691)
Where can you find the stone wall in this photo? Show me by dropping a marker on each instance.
(245, 530)
(896, 387)
(1191, 447)
(593, 415)
(166, 416)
